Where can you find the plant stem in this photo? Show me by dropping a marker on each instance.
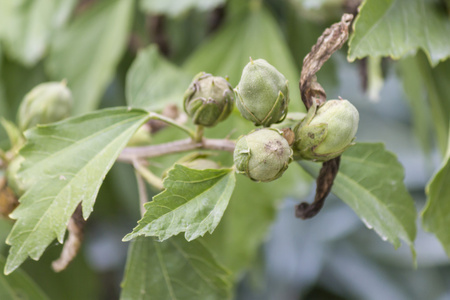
(132, 153)
(146, 174)
(199, 133)
(172, 122)
(142, 192)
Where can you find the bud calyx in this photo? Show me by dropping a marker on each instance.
(209, 99)
(326, 131)
(262, 95)
(46, 103)
(262, 155)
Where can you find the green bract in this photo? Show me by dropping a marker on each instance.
(17, 185)
(46, 103)
(262, 155)
(262, 95)
(326, 131)
(209, 99)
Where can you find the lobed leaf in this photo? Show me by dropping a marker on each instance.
(153, 82)
(399, 27)
(173, 269)
(193, 202)
(252, 208)
(101, 36)
(370, 181)
(65, 164)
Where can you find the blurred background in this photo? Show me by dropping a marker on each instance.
(332, 256)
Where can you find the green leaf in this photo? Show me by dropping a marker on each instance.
(411, 76)
(174, 8)
(89, 63)
(18, 286)
(65, 164)
(193, 202)
(399, 27)
(255, 35)
(436, 83)
(5, 228)
(253, 206)
(26, 26)
(173, 269)
(436, 214)
(370, 181)
(153, 82)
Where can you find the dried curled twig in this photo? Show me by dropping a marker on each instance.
(329, 42)
(73, 242)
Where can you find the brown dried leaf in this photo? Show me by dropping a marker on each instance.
(325, 181)
(329, 42)
(8, 200)
(73, 242)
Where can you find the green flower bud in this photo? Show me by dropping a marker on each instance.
(141, 137)
(262, 155)
(46, 103)
(262, 95)
(326, 131)
(209, 99)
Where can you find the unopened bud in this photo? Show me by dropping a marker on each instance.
(46, 103)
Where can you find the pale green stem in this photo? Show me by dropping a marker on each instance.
(142, 192)
(151, 178)
(172, 122)
(199, 133)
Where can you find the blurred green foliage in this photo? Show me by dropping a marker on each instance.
(104, 47)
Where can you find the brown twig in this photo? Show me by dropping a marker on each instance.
(325, 181)
(329, 42)
(73, 242)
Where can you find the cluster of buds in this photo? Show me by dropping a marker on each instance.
(262, 97)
